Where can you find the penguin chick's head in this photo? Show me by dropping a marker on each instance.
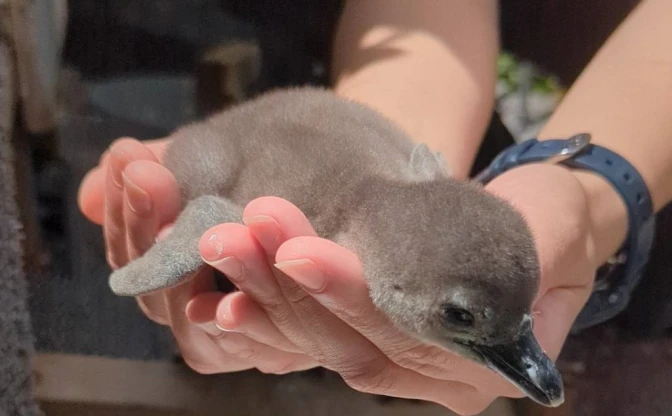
(456, 267)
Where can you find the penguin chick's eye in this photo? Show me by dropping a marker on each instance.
(458, 317)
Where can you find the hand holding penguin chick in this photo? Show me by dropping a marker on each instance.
(461, 400)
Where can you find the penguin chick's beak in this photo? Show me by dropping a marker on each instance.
(526, 365)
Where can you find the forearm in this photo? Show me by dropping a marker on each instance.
(624, 99)
(430, 66)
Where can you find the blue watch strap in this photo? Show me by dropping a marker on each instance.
(611, 294)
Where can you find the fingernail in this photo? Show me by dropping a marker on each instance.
(112, 174)
(258, 219)
(212, 328)
(223, 314)
(138, 199)
(223, 329)
(215, 248)
(208, 327)
(118, 161)
(266, 230)
(230, 266)
(304, 272)
(165, 232)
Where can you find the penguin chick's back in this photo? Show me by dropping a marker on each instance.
(302, 144)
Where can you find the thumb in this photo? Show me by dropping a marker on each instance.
(554, 315)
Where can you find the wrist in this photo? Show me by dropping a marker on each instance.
(597, 205)
(611, 202)
(608, 215)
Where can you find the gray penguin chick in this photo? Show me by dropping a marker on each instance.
(447, 262)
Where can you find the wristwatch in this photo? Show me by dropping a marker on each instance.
(615, 280)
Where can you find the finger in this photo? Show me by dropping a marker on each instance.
(203, 349)
(232, 250)
(237, 312)
(202, 308)
(114, 229)
(141, 222)
(158, 147)
(554, 315)
(265, 356)
(334, 277)
(240, 313)
(154, 307)
(91, 195)
(122, 152)
(198, 348)
(246, 333)
(260, 217)
(152, 199)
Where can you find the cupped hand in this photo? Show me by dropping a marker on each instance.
(314, 309)
(135, 199)
(317, 297)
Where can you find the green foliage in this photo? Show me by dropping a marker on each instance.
(508, 67)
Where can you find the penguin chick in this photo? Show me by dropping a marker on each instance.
(448, 263)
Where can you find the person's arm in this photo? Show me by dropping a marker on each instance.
(624, 100)
(428, 65)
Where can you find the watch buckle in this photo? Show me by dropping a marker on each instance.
(573, 146)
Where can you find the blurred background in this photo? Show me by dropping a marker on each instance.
(77, 74)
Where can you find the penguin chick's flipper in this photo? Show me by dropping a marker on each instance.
(176, 258)
(428, 165)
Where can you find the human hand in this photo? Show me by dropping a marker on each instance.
(252, 339)
(136, 199)
(554, 203)
(370, 354)
(323, 306)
